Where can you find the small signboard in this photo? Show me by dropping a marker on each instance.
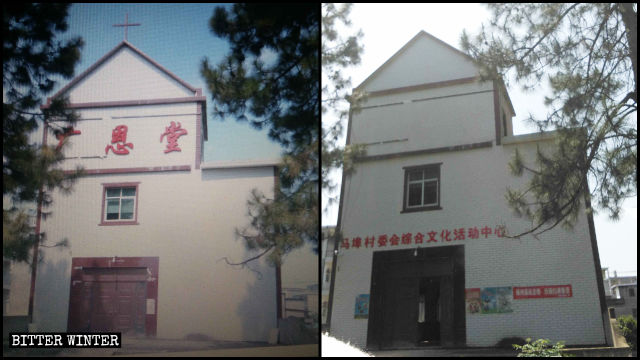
(539, 292)
(151, 306)
(362, 307)
(472, 299)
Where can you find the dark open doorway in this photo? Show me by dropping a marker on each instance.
(429, 312)
(417, 298)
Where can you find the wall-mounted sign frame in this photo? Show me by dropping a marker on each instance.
(544, 291)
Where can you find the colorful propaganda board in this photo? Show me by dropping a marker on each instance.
(496, 300)
(362, 307)
(544, 291)
(472, 300)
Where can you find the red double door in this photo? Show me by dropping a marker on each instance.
(109, 300)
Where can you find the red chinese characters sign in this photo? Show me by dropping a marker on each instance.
(546, 291)
(65, 134)
(173, 132)
(119, 137)
(420, 238)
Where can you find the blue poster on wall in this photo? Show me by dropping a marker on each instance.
(362, 307)
(496, 300)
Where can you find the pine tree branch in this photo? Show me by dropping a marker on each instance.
(243, 263)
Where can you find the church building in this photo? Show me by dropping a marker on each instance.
(150, 224)
(422, 258)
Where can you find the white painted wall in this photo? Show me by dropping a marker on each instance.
(425, 119)
(188, 220)
(145, 126)
(473, 184)
(126, 76)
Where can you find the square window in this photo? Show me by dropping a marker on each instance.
(422, 188)
(120, 204)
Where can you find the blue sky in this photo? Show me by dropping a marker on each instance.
(177, 36)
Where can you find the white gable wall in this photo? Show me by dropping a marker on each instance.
(126, 76)
(424, 60)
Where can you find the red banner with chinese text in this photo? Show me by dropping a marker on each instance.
(546, 291)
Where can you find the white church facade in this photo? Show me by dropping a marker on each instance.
(149, 223)
(422, 258)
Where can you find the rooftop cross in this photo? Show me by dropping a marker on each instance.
(126, 25)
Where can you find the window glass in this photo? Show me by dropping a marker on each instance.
(113, 207)
(415, 175)
(415, 194)
(431, 172)
(127, 209)
(120, 203)
(422, 188)
(113, 192)
(430, 193)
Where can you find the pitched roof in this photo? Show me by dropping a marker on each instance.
(110, 54)
(394, 57)
(425, 35)
(197, 92)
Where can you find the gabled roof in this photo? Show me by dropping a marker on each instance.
(425, 35)
(197, 92)
(111, 53)
(394, 57)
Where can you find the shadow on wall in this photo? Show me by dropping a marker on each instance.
(258, 308)
(52, 295)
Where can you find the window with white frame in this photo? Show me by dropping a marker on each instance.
(120, 202)
(422, 188)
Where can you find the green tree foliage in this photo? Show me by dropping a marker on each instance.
(270, 78)
(541, 348)
(32, 60)
(629, 327)
(338, 53)
(588, 55)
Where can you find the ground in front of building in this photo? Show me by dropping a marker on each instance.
(166, 347)
(447, 352)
